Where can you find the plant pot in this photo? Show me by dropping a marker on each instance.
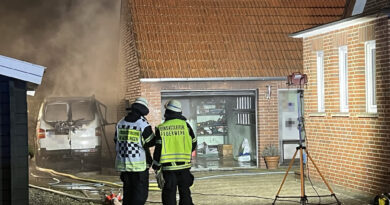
(272, 162)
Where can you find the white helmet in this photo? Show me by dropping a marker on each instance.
(142, 101)
(173, 105)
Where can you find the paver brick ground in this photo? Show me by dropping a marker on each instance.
(259, 186)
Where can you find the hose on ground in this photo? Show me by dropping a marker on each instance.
(152, 186)
(66, 194)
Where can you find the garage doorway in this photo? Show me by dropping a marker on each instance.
(224, 123)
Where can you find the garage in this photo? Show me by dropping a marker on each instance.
(224, 123)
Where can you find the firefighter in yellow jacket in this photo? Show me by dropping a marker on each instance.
(133, 138)
(175, 141)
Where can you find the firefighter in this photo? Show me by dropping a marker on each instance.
(175, 141)
(133, 138)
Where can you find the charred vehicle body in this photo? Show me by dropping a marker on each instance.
(70, 129)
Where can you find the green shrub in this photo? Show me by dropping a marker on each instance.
(270, 151)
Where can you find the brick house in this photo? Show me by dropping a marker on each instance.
(226, 61)
(347, 99)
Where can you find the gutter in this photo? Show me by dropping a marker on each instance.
(340, 24)
(158, 80)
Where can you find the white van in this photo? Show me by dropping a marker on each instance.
(70, 128)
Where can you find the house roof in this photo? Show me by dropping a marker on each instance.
(369, 10)
(21, 70)
(230, 38)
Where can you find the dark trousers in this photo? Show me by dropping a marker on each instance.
(181, 179)
(135, 187)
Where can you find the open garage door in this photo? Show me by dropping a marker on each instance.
(224, 123)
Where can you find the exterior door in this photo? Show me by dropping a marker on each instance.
(288, 123)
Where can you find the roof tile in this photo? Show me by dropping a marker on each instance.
(230, 38)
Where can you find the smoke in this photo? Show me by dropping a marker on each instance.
(77, 40)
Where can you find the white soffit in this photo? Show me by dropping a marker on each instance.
(21, 70)
(333, 26)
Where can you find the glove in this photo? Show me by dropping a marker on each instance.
(156, 166)
(160, 179)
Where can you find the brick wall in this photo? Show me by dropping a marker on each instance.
(267, 110)
(128, 59)
(351, 150)
(375, 5)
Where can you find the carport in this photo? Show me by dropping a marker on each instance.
(16, 79)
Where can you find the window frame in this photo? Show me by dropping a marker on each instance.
(370, 75)
(343, 78)
(320, 82)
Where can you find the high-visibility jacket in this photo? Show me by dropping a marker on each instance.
(131, 155)
(176, 143)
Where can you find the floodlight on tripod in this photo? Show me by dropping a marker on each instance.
(300, 80)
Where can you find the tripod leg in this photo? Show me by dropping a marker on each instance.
(323, 178)
(285, 175)
(303, 197)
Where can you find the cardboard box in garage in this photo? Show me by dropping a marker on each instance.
(225, 150)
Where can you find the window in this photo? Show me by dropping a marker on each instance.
(320, 81)
(56, 112)
(370, 77)
(82, 110)
(358, 7)
(244, 108)
(343, 78)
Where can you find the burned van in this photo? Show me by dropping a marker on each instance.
(70, 128)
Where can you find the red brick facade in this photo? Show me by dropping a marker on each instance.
(128, 60)
(352, 150)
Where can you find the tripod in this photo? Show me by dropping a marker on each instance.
(301, 149)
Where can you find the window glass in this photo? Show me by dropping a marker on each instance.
(320, 81)
(82, 110)
(56, 112)
(343, 78)
(373, 77)
(371, 104)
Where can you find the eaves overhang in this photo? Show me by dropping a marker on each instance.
(13, 68)
(340, 24)
(158, 80)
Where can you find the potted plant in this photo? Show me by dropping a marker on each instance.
(271, 156)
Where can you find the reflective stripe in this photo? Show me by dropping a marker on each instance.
(175, 154)
(175, 158)
(177, 167)
(156, 163)
(131, 166)
(151, 136)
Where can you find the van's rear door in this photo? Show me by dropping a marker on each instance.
(57, 137)
(85, 122)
